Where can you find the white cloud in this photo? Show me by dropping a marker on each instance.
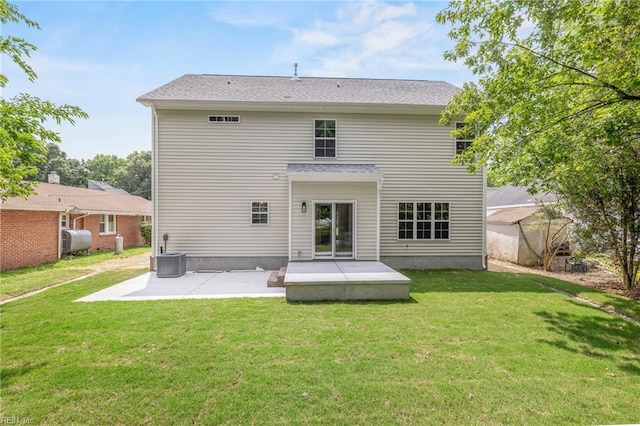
(315, 37)
(388, 36)
(46, 64)
(370, 38)
(372, 12)
(259, 15)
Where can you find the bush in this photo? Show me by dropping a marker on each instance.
(145, 230)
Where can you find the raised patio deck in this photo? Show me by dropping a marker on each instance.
(344, 280)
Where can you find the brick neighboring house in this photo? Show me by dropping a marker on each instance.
(31, 229)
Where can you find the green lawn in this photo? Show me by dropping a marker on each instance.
(15, 282)
(470, 348)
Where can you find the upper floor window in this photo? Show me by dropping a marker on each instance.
(423, 220)
(107, 224)
(464, 142)
(260, 213)
(324, 143)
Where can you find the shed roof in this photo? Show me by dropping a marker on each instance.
(512, 215)
(62, 198)
(239, 88)
(516, 196)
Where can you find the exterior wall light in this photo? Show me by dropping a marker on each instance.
(304, 207)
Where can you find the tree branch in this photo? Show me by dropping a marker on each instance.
(621, 93)
(570, 116)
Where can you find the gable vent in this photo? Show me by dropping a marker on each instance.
(224, 119)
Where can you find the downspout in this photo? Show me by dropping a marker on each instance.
(379, 189)
(290, 216)
(154, 184)
(60, 233)
(79, 217)
(484, 219)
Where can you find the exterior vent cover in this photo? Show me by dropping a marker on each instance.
(224, 119)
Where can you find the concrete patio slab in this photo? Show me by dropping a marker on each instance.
(192, 285)
(344, 280)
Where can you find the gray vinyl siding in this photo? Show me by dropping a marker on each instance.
(208, 175)
(302, 226)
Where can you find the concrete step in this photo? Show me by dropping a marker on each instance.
(276, 279)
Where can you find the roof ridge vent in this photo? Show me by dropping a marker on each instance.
(295, 72)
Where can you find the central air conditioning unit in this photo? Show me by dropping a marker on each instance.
(171, 265)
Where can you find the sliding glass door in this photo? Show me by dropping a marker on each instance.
(333, 234)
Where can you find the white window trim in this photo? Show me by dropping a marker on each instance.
(354, 241)
(64, 218)
(314, 138)
(456, 140)
(267, 213)
(415, 220)
(108, 230)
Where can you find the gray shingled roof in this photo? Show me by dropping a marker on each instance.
(104, 186)
(512, 215)
(333, 168)
(234, 88)
(516, 196)
(56, 197)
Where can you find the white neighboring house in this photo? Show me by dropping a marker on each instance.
(261, 171)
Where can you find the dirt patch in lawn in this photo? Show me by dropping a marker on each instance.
(596, 277)
(133, 262)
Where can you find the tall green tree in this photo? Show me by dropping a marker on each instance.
(72, 172)
(23, 137)
(135, 176)
(556, 105)
(102, 167)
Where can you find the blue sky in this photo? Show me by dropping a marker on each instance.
(100, 56)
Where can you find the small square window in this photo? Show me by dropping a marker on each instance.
(107, 224)
(259, 213)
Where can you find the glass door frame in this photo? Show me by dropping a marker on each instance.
(334, 254)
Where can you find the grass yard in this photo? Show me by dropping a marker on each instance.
(470, 348)
(15, 282)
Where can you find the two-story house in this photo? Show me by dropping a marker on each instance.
(261, 171)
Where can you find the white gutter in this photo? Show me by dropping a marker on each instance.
(281, 106)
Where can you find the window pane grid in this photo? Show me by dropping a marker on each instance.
(259, 213)
(462, 143)
(325, 138)
(107, 223)
(423, 221)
